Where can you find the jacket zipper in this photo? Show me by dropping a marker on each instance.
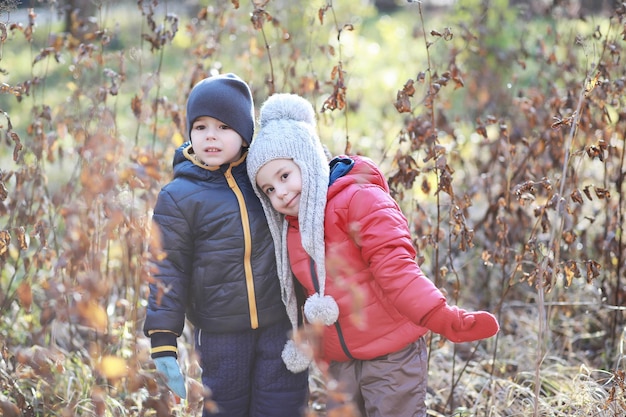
(247, 264)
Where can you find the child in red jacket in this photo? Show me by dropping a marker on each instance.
(345, 239)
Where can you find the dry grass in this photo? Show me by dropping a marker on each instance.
(505, 387)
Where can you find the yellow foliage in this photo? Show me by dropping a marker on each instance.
(113, 367)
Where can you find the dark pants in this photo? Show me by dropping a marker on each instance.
(247, 376)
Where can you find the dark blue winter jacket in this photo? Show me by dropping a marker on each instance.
(219, 267)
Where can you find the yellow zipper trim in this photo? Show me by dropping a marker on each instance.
(245, 222)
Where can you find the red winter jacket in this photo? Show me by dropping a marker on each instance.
(370, 266)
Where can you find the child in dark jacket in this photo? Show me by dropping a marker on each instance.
(349, 246)
(219, 269)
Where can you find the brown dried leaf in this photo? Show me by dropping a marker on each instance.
(425, 186)
(337, 100)
(569, 236)
(98, 400)
(43, 54)
(593, 270)
(409, 88)
(4, 192)
(156, 247)
(21, 238)
(18, 145)
(592, 83)
(346, 410)
(9, 409)
(259, 17)
(135, 105)
(5, 240)
(481, 130)
(576, 196)
(196, 391)
(138, 380)
(595, 152)
(571, 271)
(92, 314)
(458, 82)
(602, 193)
(321, 12)
(160, 405)
(47, 315)
(403, 103)
(42, 360)
(24, 295)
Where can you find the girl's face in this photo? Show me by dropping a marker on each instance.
(214, 142)
(281, 181)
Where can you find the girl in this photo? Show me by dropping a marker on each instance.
(349, 247)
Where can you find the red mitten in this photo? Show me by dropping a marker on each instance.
(457, 325)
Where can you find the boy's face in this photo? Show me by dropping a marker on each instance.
(281, 181)
(215, 143)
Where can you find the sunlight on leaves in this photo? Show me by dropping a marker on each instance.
(92, 314)
(113, 367)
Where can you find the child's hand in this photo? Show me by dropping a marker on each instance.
(168, 366)
(458, 325)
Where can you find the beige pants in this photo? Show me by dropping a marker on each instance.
(393, 385)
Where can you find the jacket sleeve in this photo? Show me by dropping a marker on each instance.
(165, 315)
(381, 231)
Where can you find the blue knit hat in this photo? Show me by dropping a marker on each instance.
(226, 98)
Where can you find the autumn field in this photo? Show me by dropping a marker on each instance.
(501, 128)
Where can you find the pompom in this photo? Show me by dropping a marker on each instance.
(318, 309)
(294, 358)
(286, 107)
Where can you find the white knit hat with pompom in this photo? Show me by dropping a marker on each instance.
(287, 130)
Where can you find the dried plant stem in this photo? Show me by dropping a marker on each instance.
(139, 60)
(329, 5)
(619, 183)
(434, 136)
(620, 220)
(271, 81)
(433, 133)
(553, 251)
(157, 94)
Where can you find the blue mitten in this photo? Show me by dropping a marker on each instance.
(168, 366)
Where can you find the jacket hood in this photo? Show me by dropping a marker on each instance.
(348, 170)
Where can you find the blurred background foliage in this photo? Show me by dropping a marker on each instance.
(499, 124)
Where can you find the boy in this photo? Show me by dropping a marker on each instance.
(220, 270)
(349, 247)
